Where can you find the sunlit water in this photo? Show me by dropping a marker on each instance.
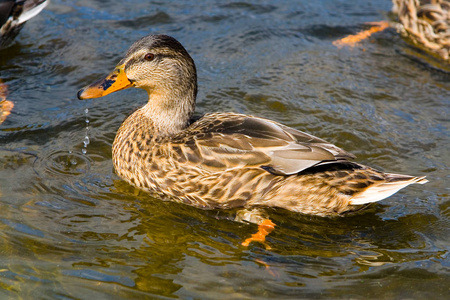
(71, 229)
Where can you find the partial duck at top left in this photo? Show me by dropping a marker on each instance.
(14, 14)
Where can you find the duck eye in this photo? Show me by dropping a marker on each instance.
(149, 56)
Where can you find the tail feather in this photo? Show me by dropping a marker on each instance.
(393, 183)
(30, 12)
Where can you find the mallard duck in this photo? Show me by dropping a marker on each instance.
(226, 160)
(426, 23)
(14, 14)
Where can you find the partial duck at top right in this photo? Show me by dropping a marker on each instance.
(426, 23)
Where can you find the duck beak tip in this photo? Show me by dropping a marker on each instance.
(115, 81)
(80, 94)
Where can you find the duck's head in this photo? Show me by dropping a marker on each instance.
(160, 65)
(153, 63)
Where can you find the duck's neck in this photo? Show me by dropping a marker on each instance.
(169, 112)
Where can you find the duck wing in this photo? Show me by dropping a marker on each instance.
(20, 11)
(31, 8)
(14, 14)
(222, 141)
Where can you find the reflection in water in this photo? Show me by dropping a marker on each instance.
(69, 228)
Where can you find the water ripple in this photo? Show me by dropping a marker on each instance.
(60, 162)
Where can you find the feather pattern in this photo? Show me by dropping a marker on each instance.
(226, 160)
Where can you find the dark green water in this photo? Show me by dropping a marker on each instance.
(71, 229)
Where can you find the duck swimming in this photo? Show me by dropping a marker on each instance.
(14, 14)
(226, 160)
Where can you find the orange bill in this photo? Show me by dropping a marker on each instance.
(115, 81)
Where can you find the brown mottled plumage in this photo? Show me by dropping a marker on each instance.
(426, 23)
(226, 160)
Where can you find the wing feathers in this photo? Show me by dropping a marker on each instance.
(238, 140)
(31, 10)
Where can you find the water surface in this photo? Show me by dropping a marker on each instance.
(71, 229)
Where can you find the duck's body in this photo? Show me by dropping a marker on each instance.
(226, 160)
(14, 14)
(426, 23)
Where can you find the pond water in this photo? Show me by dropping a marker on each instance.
(71, 229)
